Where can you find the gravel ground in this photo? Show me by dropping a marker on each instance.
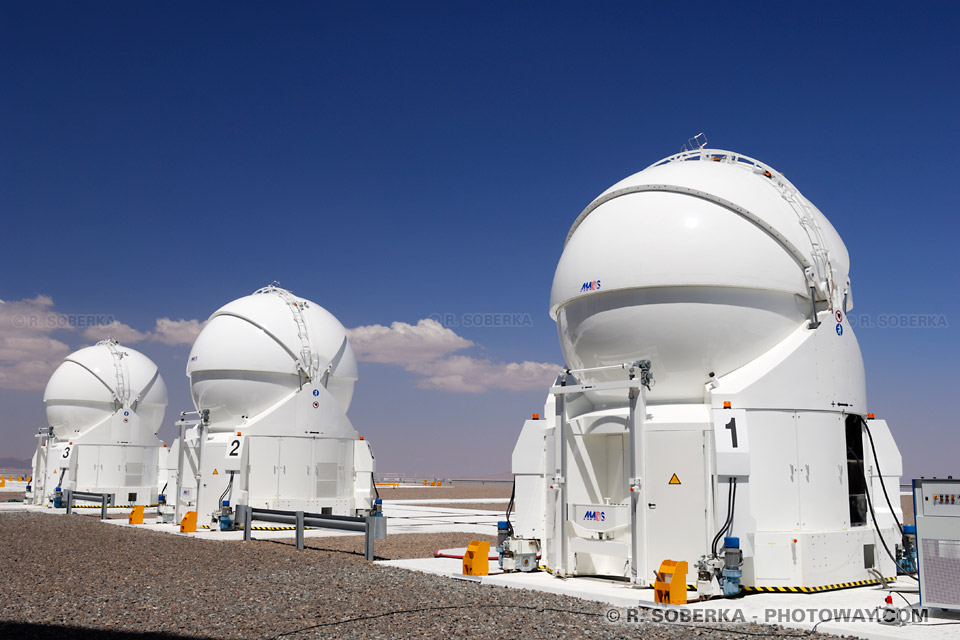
(469, 491)
(127, 583)
(6, 495)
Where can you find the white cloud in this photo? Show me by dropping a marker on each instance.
(473, 375)
(166, 331)
(425, 349)
(28, 355)
(122, 333)
(405, 344)
(174, 332)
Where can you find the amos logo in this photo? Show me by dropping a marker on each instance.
(596, 516)
(593, 285)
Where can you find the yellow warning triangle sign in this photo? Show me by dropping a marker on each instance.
(674, 479)
(215, 473)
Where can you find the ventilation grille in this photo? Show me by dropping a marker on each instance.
(941, 568)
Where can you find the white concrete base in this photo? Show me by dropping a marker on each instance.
(400, 519)
(767, 608)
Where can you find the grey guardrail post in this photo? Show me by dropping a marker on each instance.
(376, 529)
(103, 507)
(243, 516)
(300, 544)
(69, 501)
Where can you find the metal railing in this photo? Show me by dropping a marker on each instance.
(105, 500)
(373, 527)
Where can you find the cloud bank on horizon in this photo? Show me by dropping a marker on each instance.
(29, 353)
(427, 349)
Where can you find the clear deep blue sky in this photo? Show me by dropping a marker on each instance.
(393, 160)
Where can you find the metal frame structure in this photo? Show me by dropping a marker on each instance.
(637, 403)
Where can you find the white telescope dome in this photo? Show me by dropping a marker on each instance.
(257, 350)
(699, 263)
(91, 384)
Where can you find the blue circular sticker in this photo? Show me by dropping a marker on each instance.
(839, 329)
(126, 413)
(316, 392)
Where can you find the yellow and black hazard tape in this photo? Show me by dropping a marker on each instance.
(239, 527)
(826, 587)
(115, 506)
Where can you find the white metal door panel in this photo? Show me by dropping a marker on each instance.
(87, 468)
(112, 471)
(296, 476)
(264, 469)
(822, 458)
(774, 493)
(675, 494)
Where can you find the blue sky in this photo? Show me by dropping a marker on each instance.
(395, 160)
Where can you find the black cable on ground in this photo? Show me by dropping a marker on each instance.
(385, 614)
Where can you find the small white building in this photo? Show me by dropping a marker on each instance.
(715, 271)
(273, 376)
(104, 404)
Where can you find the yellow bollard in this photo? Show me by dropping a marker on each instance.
(3, 482)
(424, 483)
(136, 516)
(439, 483)
(671, 584)
(476, 560)
(19, 478)
(189, 522)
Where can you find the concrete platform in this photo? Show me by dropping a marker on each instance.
(796, 610)
(400, 519)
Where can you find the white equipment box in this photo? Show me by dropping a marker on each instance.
(937, 508)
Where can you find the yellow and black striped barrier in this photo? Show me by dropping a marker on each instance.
(115, 506)
(239, 527)
(826, 587)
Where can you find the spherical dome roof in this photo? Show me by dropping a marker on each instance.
(93, 383)
(257, 350)
(700, 263)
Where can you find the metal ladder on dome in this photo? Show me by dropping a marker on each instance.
(307, 363)
(121, 393)
(820, 254)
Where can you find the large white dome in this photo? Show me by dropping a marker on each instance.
(699, 263)
(93, 383)
(259, 349)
